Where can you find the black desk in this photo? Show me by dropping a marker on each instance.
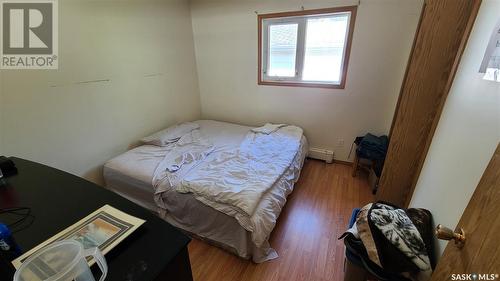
(155, 251)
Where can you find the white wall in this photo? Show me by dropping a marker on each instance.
(467, 134)
(144, 47)
(225, 33)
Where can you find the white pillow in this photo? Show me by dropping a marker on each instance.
(170, 134)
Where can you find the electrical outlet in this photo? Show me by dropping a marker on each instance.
(340, 142)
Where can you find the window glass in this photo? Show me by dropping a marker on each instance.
(324, 51)
(282, 50)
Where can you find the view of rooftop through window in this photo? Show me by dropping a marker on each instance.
(282, 49)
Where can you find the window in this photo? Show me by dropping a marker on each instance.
(306, 48)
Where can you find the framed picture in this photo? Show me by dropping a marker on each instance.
(490, 65)
(104, 228)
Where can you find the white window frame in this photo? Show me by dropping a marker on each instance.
(299, 63)
(300, 18)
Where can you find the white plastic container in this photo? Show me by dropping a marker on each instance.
(61, 261)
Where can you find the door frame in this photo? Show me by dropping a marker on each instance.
(440, 40)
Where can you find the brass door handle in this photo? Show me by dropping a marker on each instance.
(445, 233)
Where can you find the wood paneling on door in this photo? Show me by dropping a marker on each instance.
(481, 223)
(441, 37)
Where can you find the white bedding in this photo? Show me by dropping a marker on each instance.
(131, 174)
(181, 159)
(236, 180)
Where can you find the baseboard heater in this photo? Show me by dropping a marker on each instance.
(321, 154)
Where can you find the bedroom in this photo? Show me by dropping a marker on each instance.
(129, 69)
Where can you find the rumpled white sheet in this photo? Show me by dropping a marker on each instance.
(171, 134)
(183, 155)
(268, 128)
(235, 182)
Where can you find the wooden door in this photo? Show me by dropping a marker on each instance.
(443, 31)
(481, 222)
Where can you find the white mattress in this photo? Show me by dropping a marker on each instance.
(131, 173)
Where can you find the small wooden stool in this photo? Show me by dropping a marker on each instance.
(355, 165)
(358, 162)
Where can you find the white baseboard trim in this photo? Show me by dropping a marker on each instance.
(321, 154)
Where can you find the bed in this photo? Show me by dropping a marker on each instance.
(131, 174)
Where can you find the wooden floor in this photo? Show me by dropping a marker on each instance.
(316, 214)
